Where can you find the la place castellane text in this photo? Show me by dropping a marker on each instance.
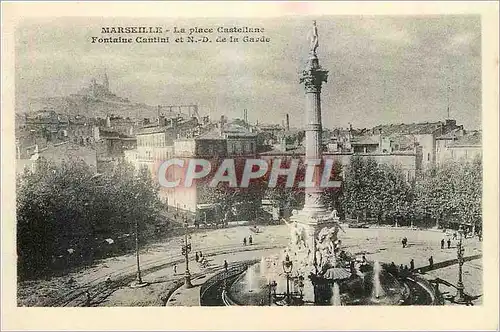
(181, 35)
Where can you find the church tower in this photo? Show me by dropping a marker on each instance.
(105, 82)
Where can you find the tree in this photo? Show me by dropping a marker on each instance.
(469, 194)
(451, 192)
(370, 189)
(394, 193)
(64, 213)
(360, 185)
(333, 197)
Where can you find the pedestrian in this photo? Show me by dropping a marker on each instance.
(403, 242)
(175, 269)
(455, 236)
(244, 241)
(108, 280)
(394, 269)
(449, 243)
(352, 267)
(442, 243)
(196, 256)
(401, 267)
(250, 240)
(364, 259)
(406, 241)
(87, 298)
(412, 265)
(225, 265)
(431, 263)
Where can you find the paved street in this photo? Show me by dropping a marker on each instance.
(383, 244)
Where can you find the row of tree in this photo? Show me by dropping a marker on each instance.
(450, 193)
(442, 196)
(67, 215)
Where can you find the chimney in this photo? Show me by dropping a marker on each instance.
(221, 127)
(450, 124)
(174, 123)
(287, 122)
(162, 121)
(381, 142)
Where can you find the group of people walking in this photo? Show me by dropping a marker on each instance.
(250, 240)
(407, 270)
(200, 259)
(448, 242)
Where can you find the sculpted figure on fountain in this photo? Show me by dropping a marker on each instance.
(328, 243)
(300, 245)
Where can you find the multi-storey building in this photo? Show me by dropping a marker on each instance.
(458, 145)
(112, 148)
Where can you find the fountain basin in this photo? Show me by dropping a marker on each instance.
(240, 289)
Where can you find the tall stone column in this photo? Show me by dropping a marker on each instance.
(313, 77)
(313, 224)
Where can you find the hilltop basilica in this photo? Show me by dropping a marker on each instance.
(100, 91)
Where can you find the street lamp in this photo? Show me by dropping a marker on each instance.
(186, 249)
(138, 280)
(287, 268)
(460, 257)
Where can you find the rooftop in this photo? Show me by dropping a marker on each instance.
(153, 129)
(409, 128)
(276, 151)
(366, 140)
(470, 139)
(110, 134)
(210, 135)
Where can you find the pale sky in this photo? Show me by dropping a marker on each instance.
(413, 59)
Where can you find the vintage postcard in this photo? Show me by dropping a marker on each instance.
(299, 165)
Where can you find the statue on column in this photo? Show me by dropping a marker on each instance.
(314, 38)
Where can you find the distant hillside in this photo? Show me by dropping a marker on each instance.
(83, 105)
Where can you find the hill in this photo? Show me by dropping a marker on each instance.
(87, 106)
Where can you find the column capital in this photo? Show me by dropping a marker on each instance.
(313, 78)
